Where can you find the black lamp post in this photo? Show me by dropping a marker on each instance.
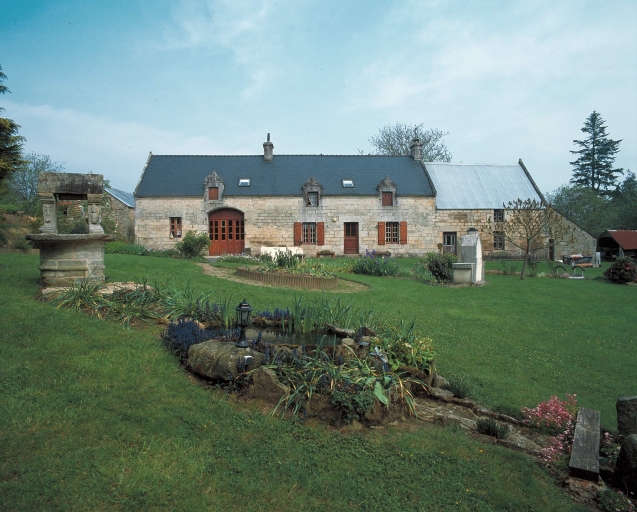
(243, 318)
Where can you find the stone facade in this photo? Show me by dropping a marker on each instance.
(269, 221)
(122, 215)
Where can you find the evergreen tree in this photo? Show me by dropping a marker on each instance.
(10, 142)
(594, 165)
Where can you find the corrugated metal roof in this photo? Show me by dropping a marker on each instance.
(285, 175)
(626, 238)
(476, 186)
(125, 197)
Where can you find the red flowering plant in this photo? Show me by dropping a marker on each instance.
(556, 417)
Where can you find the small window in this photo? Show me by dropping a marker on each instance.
(498, 215)
(348, 183)
(449, 242)
(175, 227)
(309, 233)
(391, 232)
(213, 194)
(312, 199)
(498, 240)
(244, 182)
(388, 199)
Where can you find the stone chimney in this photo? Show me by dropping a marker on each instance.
(268, 148)
(416, 149)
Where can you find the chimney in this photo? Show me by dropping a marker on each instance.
(268, 150)
(416, 149)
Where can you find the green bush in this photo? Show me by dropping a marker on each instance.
(440, 266)
(22, 244)
(622, 271)
(491, 428)
(192, 245)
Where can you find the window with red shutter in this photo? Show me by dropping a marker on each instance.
(320, 233)
(388, 199)
(381, 233)
(403, 232)
(213, 194)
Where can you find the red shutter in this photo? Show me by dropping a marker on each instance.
(213, 193)
(320, 233)
(381, 233)
(298, 233)
(388, 199)
(403, 232)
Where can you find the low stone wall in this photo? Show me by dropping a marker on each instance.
(300, 281)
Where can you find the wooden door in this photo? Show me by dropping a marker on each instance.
(226, 230)
(351, 238)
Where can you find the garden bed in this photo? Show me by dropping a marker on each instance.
(291, 280)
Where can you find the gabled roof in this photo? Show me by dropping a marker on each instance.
(626, 238)
(285, 175)
(477, 186)
(125, 197)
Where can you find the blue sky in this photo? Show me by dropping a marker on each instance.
(97, 85)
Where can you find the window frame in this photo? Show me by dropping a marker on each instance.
(309, 233)
(498, 215)
(498, 241)
(245, 182)
(387, 198)
(347, 183)
(392, 232)
(309, 196)
(176, 227)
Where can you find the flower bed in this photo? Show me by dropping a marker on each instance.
(292, 280)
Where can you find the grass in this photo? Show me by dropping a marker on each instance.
(94, 416)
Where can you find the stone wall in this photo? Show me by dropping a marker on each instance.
(123, 217)
(269, 221)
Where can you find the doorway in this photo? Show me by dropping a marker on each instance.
(226, 230)
(351, 238)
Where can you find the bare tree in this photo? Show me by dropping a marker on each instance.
(396, 140)
(530, 225)
(23, 183)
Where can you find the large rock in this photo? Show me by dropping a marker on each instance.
(266, 386)
(626, 467)
(626, 415)
(219, 360)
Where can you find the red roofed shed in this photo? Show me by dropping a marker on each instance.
(616, 243)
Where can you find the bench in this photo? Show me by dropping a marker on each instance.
(584, 462)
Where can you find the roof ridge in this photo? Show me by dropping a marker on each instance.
(301, 154)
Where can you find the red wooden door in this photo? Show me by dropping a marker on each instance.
(226, 230)
(351, 238)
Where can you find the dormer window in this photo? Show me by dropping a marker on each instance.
(312, 191)
(387, 192)
(348, 183)
(213, 187)
(244, 182)
(312, 199)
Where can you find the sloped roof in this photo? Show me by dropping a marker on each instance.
(626, 238)
(184, 175)
(477, 186)
(125, 197)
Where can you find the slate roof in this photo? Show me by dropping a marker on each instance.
(476, 186)
(125, 197)
(285, 175)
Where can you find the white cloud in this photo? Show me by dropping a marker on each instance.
(84, 143)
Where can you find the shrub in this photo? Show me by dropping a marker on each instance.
(192, 245)
(614, 501)
(459, 388)
(22, 244)
(440, 266)
(622, 271)
(491, 428)
(371, 264)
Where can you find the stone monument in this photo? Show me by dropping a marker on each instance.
(470, 267)
(66, 259)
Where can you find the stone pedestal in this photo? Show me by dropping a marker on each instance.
(66, 259)
(464, 273)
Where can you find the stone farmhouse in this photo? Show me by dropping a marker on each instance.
(343, 204)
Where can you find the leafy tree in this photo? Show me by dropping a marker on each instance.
(530, 225)
(593, 167)
(23, 183)
(397, 139)
(624, 203)
(584, 207)
(10, 142)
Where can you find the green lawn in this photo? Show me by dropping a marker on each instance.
(96, 417)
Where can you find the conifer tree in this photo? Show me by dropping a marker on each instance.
(593, 167)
